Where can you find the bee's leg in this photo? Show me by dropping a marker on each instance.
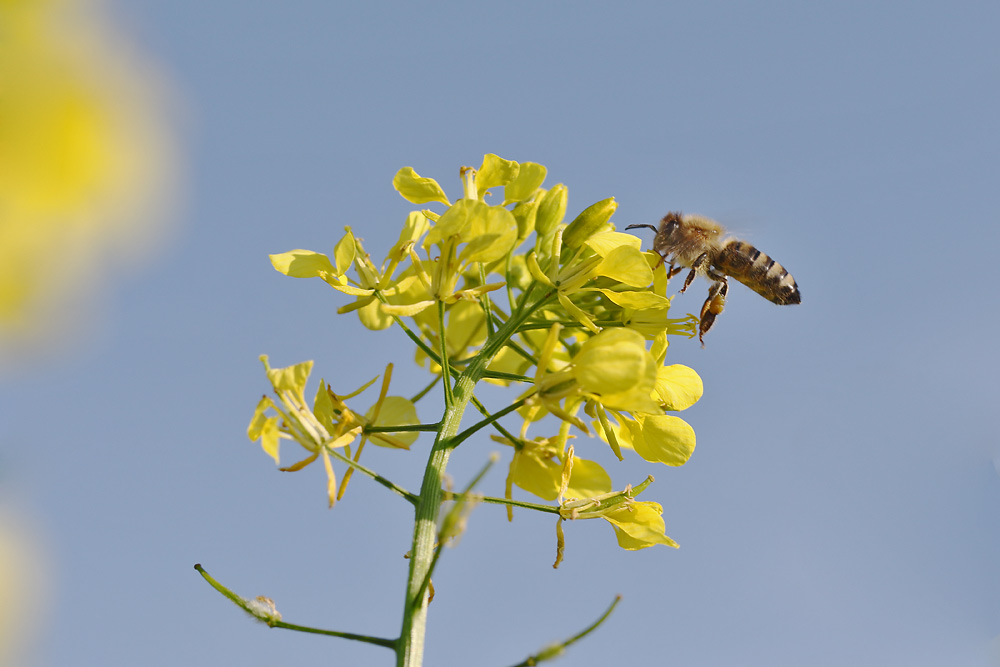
(663, 260)
(695, 265)
(671, 271)
(715, 274)
(714, 304)
(688, 280)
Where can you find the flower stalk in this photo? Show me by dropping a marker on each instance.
(583, 304)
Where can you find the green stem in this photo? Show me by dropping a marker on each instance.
(410, 649)
(452, 518)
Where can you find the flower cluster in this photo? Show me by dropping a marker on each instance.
(510, 293)
(329, 425)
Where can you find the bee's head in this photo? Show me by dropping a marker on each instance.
(668, 226)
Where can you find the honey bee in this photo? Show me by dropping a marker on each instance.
(701, 245)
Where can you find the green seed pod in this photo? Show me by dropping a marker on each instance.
(589, 222)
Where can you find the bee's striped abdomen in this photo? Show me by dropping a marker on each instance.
(758, 272)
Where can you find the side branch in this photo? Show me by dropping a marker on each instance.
(273, 619)
(389, 484)
(556, 650)
(464, 435)
(402, 428)
(549, 509)
(499, 427)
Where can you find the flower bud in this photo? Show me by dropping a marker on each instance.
(525, 213)
(589, 222)
(551, 210)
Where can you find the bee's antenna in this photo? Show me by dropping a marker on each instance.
(638, 226)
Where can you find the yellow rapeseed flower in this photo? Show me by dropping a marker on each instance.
(328, 425)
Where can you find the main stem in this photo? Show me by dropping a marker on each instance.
(410, 648)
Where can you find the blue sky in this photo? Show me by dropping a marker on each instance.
(842, 501)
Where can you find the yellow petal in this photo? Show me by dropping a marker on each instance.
(395, 411)
(491, 235)
(678, 386)
(373, 317)
(343, 253)
(418, 189)
(637, 401)
(416, 226)
(324, 408)
(604, 242)
(303, 264)
(259, 418)
(626, 265)
(466, 327)
(529, 178)
(291, 378)
(663, 438)
(613, 361)
(495, 171)
(407, 309)
(455, 221)
(524, 213)
(636, 300)
(344, 439)
(536, 475)
(588, 480)
(353, 291)
(270, 438)
(507, 361)
(639, 526)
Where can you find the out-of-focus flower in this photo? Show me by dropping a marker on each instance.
(22, 589)
(83, 162)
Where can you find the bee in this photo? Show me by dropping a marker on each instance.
(701, 244)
